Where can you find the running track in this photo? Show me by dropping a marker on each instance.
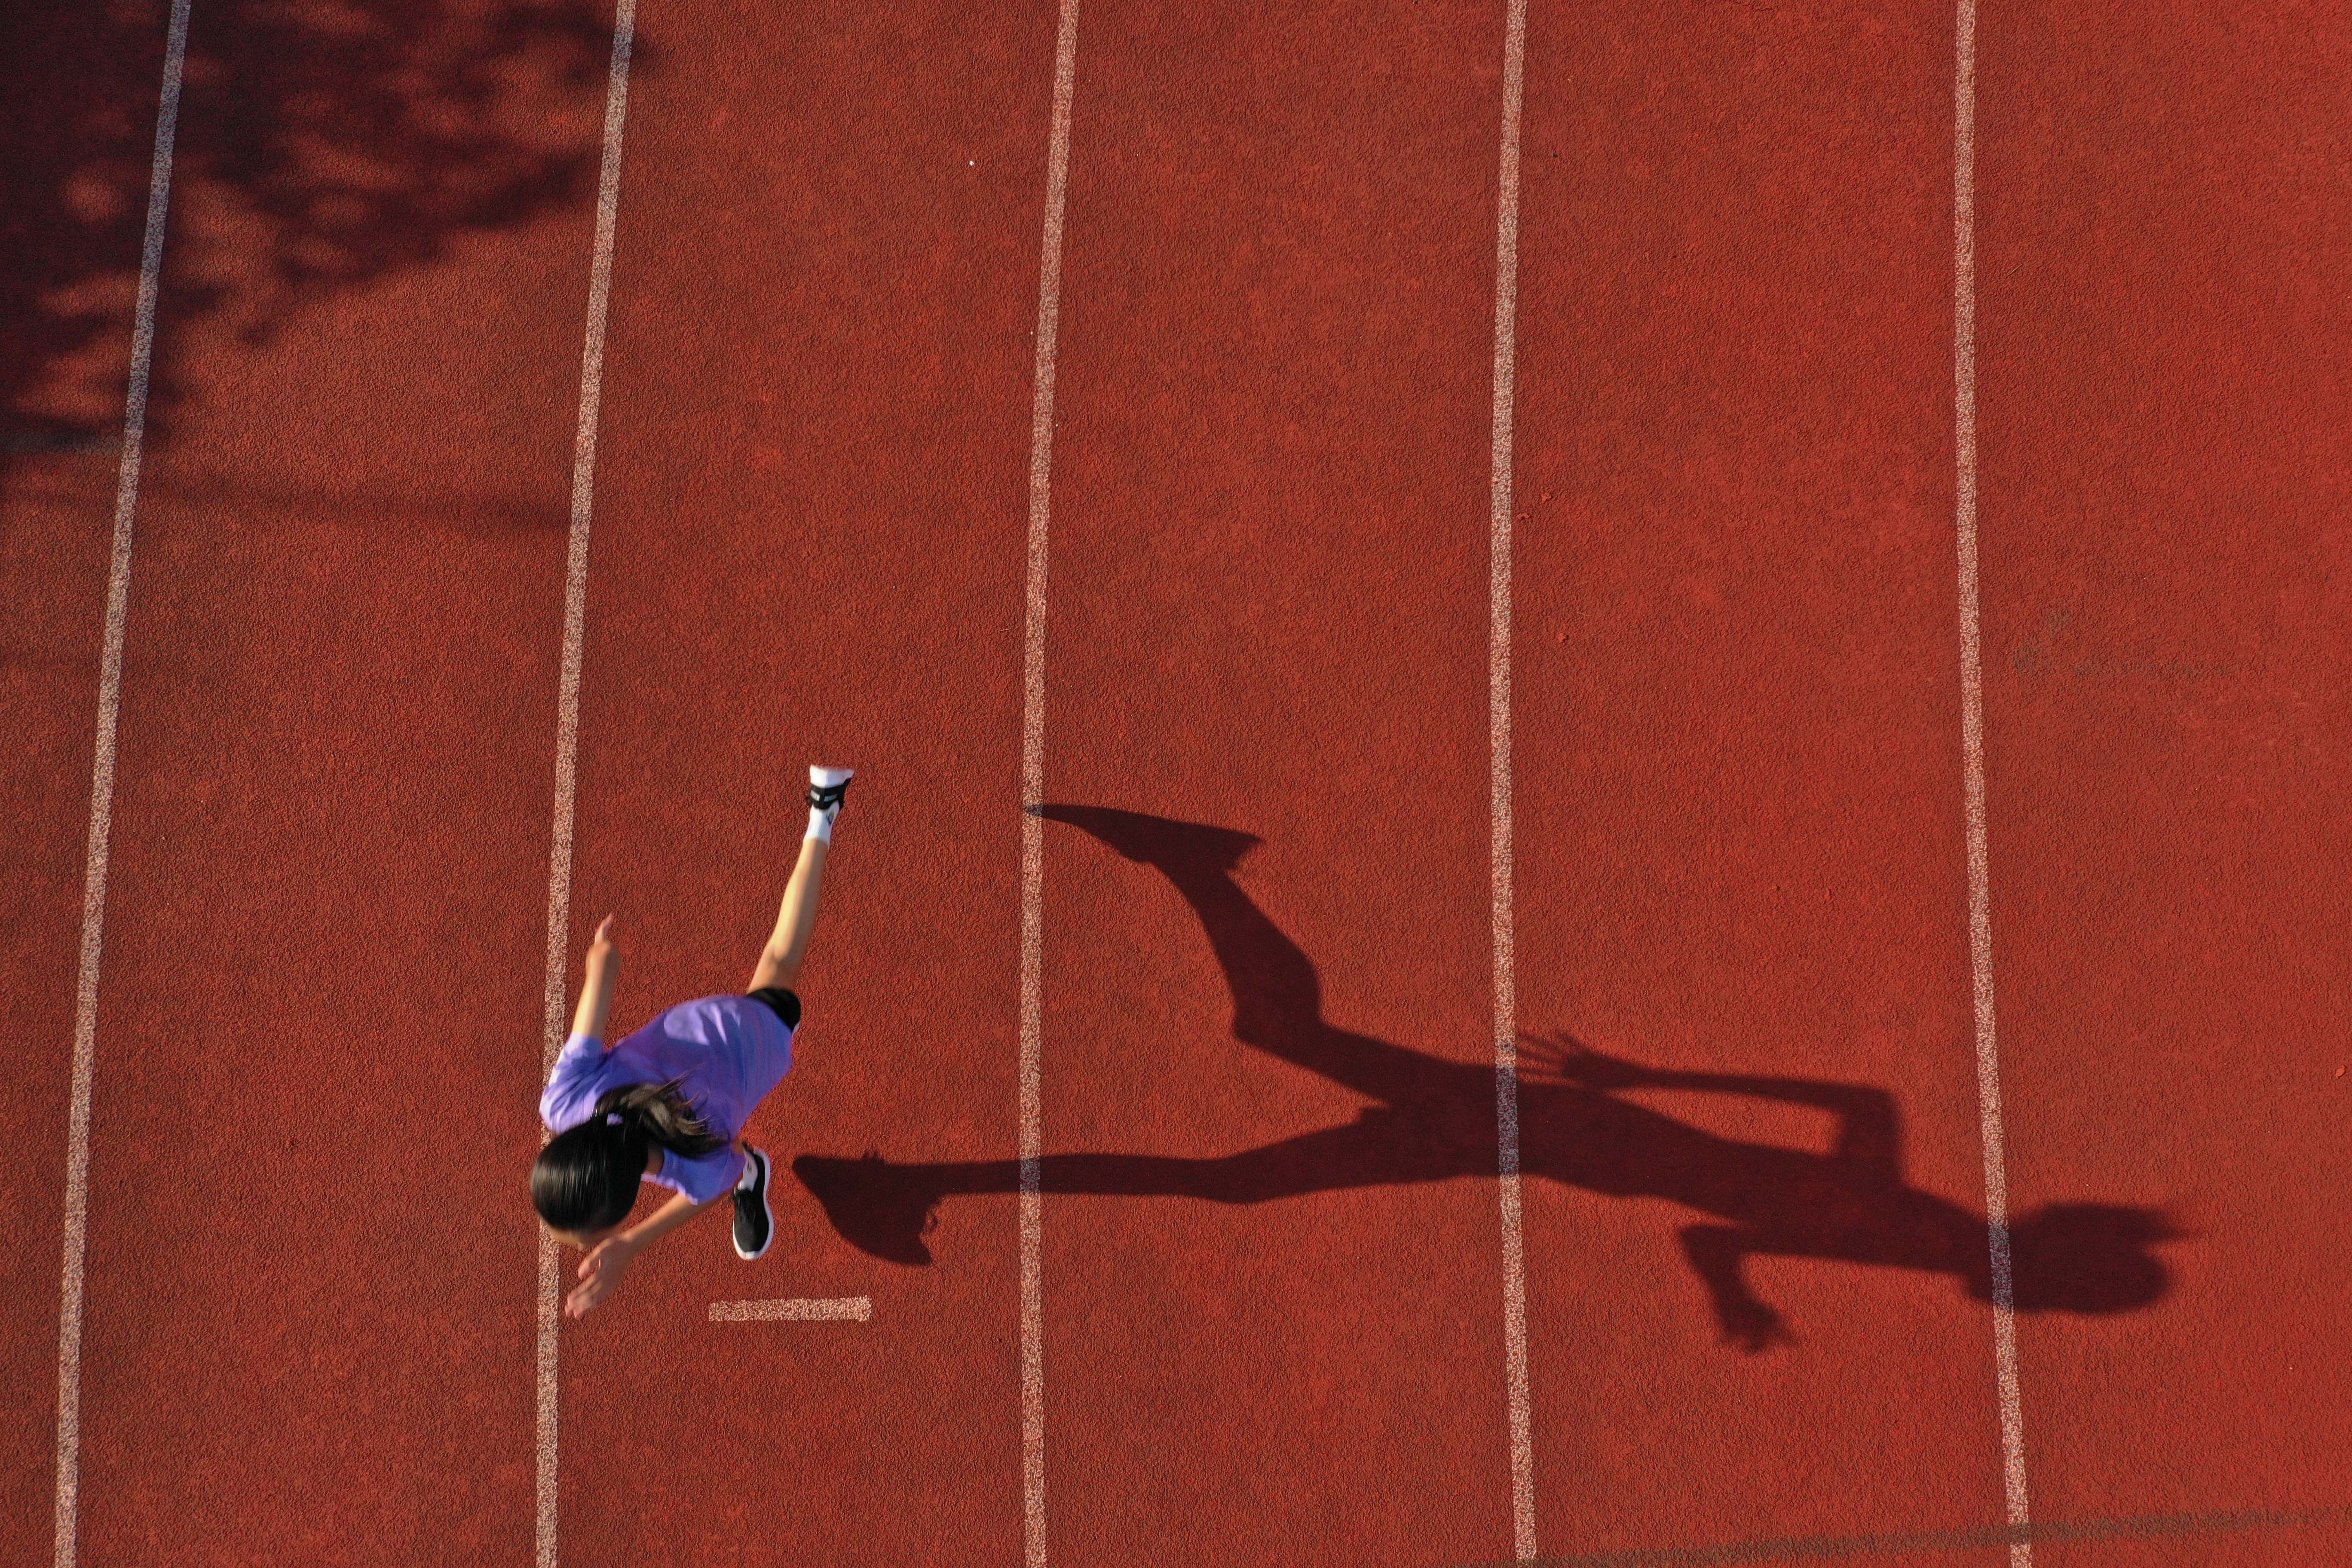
(1258, 568)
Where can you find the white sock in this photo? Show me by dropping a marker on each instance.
(750, 1173)
(820, 824)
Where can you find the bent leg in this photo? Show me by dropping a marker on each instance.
(1377, 1150)
(1278, 995)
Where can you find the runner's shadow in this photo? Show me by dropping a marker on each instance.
(1433, 1120)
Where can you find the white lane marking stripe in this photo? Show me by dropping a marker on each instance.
(840, 1310)
(1498, 731)
(1033, 793)
(1988, 1116)
(567, 726)
(66, 1529)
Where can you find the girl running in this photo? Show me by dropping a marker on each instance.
(667, 1104)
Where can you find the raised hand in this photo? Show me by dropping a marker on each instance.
(600, 1274)
(596, 988)
(1563, 1059)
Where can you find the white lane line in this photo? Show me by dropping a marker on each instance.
(1989, 1117)
(1498, 732)
(1033, 794)
(567, 723)
(101, 801)
(840, 1310)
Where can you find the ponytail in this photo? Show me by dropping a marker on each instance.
(585, 1180)
(656, 1112)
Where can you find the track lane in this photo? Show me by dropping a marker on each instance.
(1269, 617)
(2163, 233)
(808, 547)
(2116, 660)
(1739, 835)
(78, 97)
(334, 729)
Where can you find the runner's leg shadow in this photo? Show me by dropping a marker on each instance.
(886, 1209)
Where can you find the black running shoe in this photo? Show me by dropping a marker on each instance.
(754, 1225)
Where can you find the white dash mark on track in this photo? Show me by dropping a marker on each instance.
(1990, 1126)
(66, 1531)
(567, 727)
(839, 1309)
(1033, 794)
(1498, 731)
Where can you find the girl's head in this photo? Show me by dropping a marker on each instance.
(585, 1181)
(2084, 1258)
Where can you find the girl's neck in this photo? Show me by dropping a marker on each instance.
(653, 1161)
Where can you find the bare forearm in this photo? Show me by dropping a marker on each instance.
(600, 1270)
(1838, 1097)
(665, 1219)
(596, 993)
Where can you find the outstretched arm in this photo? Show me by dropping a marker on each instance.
(1870, 1129)
(596, 994)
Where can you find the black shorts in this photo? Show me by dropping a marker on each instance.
(787, 1004)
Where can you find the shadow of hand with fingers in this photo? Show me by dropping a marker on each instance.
(1432, 1119)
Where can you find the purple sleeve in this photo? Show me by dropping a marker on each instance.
(570, 1092)
(701, 1178)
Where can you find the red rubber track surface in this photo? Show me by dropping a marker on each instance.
(61, 383)
(808, 547)
(1267, 574)
(1740, 842)
(303, 1324)
(1273, 1272)
(2166, 241)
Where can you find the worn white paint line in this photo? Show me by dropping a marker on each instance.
(1988, 1113)
(1033, 794)
(839, 1309)
(1498, 732)
(70, 1295)
(567, 727)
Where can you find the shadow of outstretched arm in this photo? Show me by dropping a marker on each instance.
(1869, 1140)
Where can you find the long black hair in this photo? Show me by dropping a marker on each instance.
(585, 1180)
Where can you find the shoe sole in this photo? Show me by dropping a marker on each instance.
(767, 1210)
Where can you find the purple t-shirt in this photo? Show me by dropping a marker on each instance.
(727, 1052)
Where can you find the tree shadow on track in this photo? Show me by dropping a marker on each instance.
(321, 145)
(1435, 1120)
